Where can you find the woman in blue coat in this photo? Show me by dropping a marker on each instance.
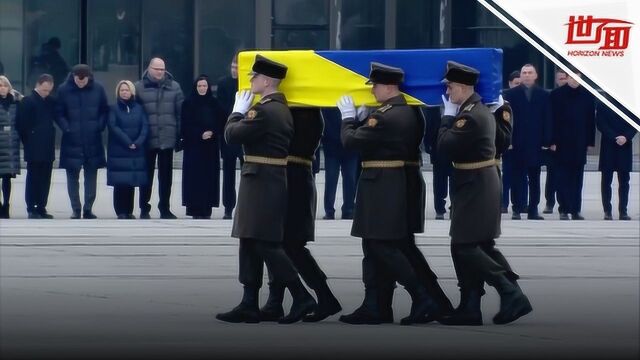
(126, 167)
(202, 122)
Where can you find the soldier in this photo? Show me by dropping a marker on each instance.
(265, 133)
(387, 142)
(468, 136)
(300, 223)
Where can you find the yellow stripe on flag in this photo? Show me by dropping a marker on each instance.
(312, 80)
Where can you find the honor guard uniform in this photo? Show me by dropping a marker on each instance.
(265, 133)
(387, 141)
(300, 221)
(468, 136)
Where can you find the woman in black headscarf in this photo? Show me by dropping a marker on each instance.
(202, 124)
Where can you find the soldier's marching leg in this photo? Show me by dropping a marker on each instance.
(490, 249)
(427, 277)
(251, 277)
(388, 252)
(283, 271)
(471, 286)
(386, 288)
(513, 303)
(316, 279)
(368, 313)
(272, 309)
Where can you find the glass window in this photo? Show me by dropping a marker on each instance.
(168, 33)
(52, 39)
(11, 28)
(300, 24)
(114, 42)
(361, 25)
(221, 34)
(417, 24)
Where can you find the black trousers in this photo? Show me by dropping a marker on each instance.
(123, 199)
(476, 263)
(73, 188)
(551, 184)
(254, 253)
(384, 263)
(306, 264)
(623, 190)
(570, 178)
(525, 181)
(37, 185)
(6, 189)
(165, 179)
(229, 179)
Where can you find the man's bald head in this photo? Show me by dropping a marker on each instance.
(156, 69)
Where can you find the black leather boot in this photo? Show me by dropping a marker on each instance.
(468, 311)
(247, 311)
(513, 303)
(327, 304)
(421, 306)
(303, 303)
(367, 313)
(272, 309)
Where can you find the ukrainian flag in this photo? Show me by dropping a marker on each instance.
(319, 78)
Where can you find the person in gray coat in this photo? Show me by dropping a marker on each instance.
(162, 98)
(9, 142)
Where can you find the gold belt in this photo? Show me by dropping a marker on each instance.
(475, 165)
(498, 162)
(299, 160)
(383, 164)
(265, 160)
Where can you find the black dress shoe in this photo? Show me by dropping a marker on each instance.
(625, 216)
(577, 216)
(240, 314)
(226, 216)
(439, 216)
(45, 215)
(564, 216)
(89, 215)
(145, 215)
(607, 216)
(329, 217)
(323, 311)
(122, 216)
(516, 216)
(534, 216)
(361, 316)
(131, 217)
(34, 215)
(167, 215)
(75, 215)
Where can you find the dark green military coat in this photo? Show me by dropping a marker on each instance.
(266, 130)
(470, 137)
(301, 186)
(389, 133)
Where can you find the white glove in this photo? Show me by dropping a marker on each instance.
(243, 102)
(347, 107)
(497, 105)
(450, 109)
(362, 113)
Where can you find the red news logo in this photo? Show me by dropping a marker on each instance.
(611, 35)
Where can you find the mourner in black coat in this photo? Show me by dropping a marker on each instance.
(388, 142)
(574, 130)
(35, 117)
(616, 154)
(531, 133)
(9, 142)
(202, 123)
(468, 136)
(265, 133)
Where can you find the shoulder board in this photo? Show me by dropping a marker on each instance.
(265, 100)
(469, 107)
(385, 108)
